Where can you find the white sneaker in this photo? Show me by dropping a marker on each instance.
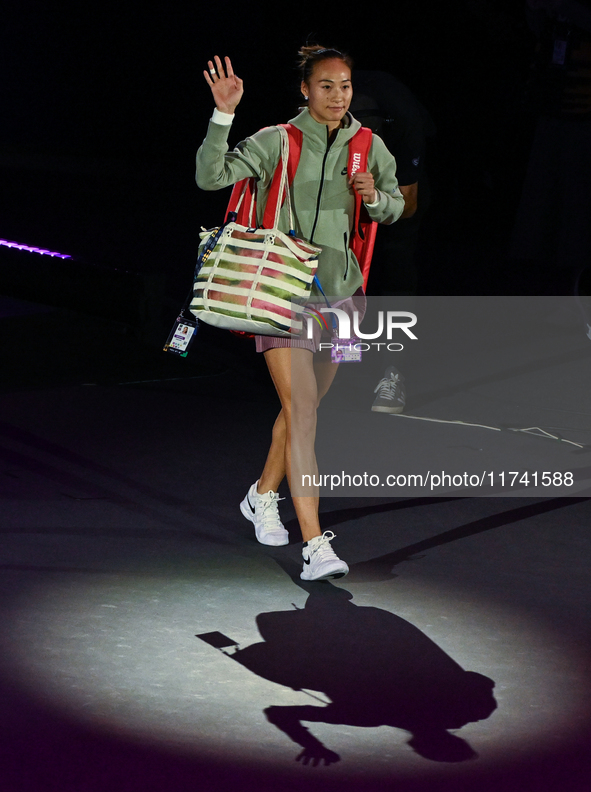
(263, 512)
(320, 560)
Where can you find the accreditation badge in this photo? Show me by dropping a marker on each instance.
(181, 336)
(345, 350)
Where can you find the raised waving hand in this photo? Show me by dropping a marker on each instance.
(226, 87)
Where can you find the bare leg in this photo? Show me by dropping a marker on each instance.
(274, 470)
(297, 421)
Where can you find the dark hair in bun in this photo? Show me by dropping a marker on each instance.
(313, 54)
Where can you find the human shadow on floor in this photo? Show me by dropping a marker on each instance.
(377, 670)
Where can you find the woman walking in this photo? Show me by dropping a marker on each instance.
(324, 205)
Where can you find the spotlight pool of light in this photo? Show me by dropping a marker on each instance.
(117, 650)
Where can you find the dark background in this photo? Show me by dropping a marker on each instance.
(103, 107)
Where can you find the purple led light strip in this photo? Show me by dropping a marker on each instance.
(42, 252)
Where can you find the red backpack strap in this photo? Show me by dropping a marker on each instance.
(247, 209)
(364, 228)
(295, 149)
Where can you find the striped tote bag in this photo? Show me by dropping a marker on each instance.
(255, 280)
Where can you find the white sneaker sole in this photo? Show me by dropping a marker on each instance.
(392, 410)
(337, 572)
(269, 541)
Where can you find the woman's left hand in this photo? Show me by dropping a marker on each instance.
(364, 185)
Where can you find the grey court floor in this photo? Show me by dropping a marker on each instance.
(149, 643)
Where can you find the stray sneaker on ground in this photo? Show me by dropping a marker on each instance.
(262, 510)
(391, 392)
(320, 560)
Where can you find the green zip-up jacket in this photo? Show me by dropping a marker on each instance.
(323, 203)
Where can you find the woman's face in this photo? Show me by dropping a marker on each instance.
(329, 92)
